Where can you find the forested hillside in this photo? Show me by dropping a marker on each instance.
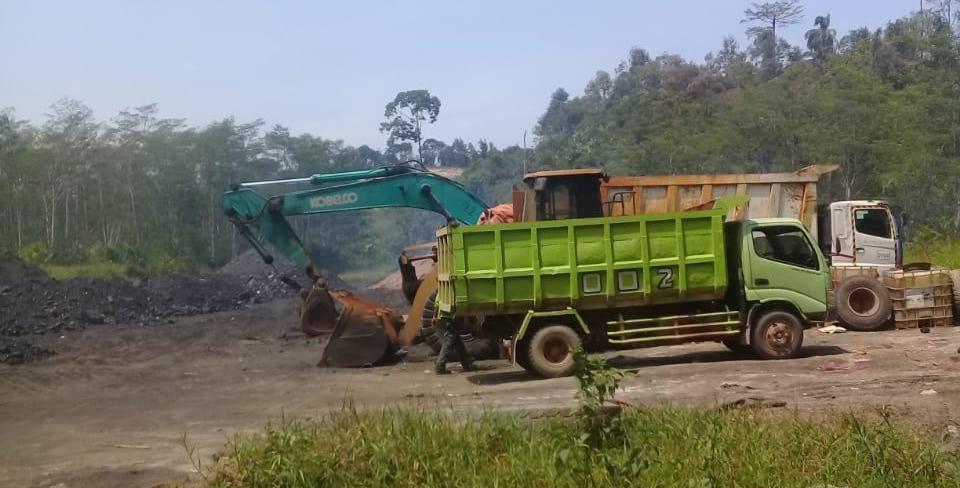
(143, 189)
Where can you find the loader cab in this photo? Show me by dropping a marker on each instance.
(559, 195)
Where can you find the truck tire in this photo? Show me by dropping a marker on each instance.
(776, 335)
(863, 303)
(523, 355)
(427, 332)
(549, 351)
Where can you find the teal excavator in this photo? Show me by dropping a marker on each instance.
(360, 332)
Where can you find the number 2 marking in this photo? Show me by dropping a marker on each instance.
(666, 278)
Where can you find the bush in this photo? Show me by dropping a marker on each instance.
(35, 253)
(661, 446)
(98, 261)
(931, 246)
(86, 270)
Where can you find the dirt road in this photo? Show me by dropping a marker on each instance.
(112, 408)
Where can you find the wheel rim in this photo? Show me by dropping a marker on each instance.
(556, 350)
(779, 337)
(863, 302)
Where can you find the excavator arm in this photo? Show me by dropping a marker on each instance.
(264, 219)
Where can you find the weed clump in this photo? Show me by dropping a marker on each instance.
(648, 447)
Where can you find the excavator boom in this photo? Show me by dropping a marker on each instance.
(393, 186)
(360, 332)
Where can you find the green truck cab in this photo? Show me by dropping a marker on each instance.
(549, 286)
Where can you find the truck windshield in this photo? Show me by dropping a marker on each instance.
(872, 221)
(785, 244)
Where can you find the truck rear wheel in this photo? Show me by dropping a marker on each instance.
(549, 351)
(863, 303)
(776, 335)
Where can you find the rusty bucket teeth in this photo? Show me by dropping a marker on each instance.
(361, 333)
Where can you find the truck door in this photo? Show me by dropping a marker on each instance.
(874, 238)
(784, 264)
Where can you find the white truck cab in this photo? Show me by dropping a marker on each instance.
(864, 233)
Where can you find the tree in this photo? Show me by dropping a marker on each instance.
(946, 10)
(368, 157)
(730, 65)
(433, 152)
(600, 86)
(406, 115)
(772, 15)
(68, 139)
(767, 45)
(561, 116)
(821, 39)
(638, 58)
(277, 144)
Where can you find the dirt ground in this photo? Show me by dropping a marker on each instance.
(113, 407)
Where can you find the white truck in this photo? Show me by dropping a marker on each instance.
(862, 238)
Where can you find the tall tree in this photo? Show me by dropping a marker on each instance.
(771, 16)
(821, 39)
(68, 139)
(406, 115)
(948, 10)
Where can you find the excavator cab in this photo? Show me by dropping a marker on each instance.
(559, 194)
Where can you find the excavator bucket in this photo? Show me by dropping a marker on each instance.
(319, 313)
(361, 333)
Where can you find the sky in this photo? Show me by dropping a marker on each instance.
(328, 68)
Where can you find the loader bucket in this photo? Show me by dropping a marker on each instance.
(361, 333)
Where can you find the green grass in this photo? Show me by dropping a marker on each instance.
(931, 249)
(656, 447)
(112, 269)
(86, 270)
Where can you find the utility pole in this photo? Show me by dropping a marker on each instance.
(524, 154)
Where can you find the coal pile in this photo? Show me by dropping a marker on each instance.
(14, 270)
(21, 351)
(261, 279)
(34, 305)
(264, 280)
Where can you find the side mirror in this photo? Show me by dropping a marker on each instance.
(836, 246)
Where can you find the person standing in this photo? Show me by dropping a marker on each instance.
(450, 342)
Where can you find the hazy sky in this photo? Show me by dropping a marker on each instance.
(328, 68)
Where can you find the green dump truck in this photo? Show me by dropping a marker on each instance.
(633, 281)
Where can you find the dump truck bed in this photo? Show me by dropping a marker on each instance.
(583, 263)
(791, 195)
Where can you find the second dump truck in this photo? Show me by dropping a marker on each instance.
(549, 286)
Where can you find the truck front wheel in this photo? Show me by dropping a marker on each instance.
(549, 351)
(776, 335)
